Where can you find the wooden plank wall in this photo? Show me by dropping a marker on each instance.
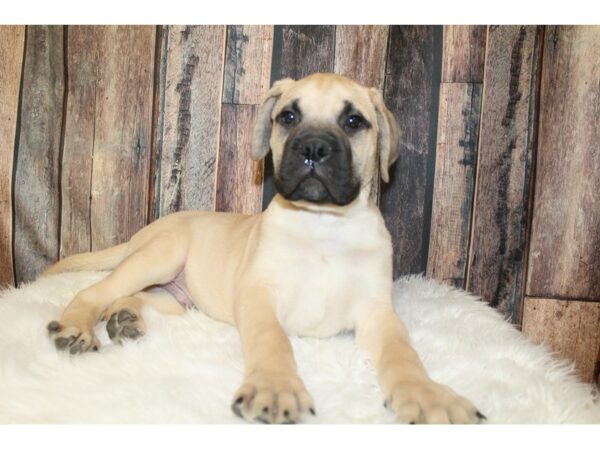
(562, 303)
(456, 153)
(12, 39)
(104, 129)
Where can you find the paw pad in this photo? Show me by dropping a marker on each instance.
(124, 324)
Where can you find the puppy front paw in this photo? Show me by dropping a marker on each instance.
(272, 398)
(71, 338)
(432, 403)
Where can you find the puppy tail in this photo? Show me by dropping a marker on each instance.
(100, 260)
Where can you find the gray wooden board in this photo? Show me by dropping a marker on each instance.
(411, 91)
(506, 142)
(189, 136)
(37, 184)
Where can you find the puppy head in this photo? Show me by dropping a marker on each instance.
(326, 133)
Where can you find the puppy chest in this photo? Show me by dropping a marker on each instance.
(316, 294)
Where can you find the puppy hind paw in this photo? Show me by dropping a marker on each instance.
(73, 339)
(125, 324)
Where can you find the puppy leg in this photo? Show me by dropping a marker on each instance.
(408, 390)
(155, 263)
(272, 391)
(124, 317)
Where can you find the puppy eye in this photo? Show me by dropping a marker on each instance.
(287, 117)
(354, 122)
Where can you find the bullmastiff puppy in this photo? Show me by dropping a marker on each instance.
(316, 262)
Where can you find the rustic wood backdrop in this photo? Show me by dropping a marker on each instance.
(104, 129)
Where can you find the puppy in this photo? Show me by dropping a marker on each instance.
(316, 262)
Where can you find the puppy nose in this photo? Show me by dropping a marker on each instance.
(314, 150)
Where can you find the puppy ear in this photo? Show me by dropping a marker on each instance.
(262, 129)
(388, 137)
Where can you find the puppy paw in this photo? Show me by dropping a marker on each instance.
(431, 403)
(73, 339)
(125, 324)
(268, 398)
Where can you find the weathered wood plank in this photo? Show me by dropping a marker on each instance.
(12, 41)
(78, 140)
(189, 134)
(239, 186)
(570, 328)
(565, 239)
(411, 92)
(37, 184)
(302, 50)
(298, 51)
(464, 53)
(456, 157)
(239, 179)
(360, 53)
(107, 135)
(247, 63)
(503, 172)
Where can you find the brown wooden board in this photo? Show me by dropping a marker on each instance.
(107, 135)
(247, 74)
(298, 51)
(506, 142)
(12, 41)
(464, 52)
(301, 50)
(37, 184)
(565, 239)
(456, 158)
(188, 135)
(411, 91)
(570, 328)
(239, 179)
(360, 53)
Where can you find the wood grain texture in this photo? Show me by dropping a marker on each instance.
(12, 41)
(464, 53)
(360, 53)
(570, 328)
(565, 239)
(304, 49)
(247, 74)
(239, 179)
(107, 135)
(411, 92)
(190, 122)
(504, 168)
(454, 184)
(37, 184)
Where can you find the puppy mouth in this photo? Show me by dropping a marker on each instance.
(309, 186)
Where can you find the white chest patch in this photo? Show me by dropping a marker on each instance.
(322, 267)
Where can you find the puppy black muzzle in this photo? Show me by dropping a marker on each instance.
(316, 166)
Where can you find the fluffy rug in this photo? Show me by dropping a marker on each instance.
(186, 369)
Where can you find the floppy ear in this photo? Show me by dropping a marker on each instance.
(388, 137)
(262, 129)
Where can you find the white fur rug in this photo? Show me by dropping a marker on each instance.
(187, 368)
